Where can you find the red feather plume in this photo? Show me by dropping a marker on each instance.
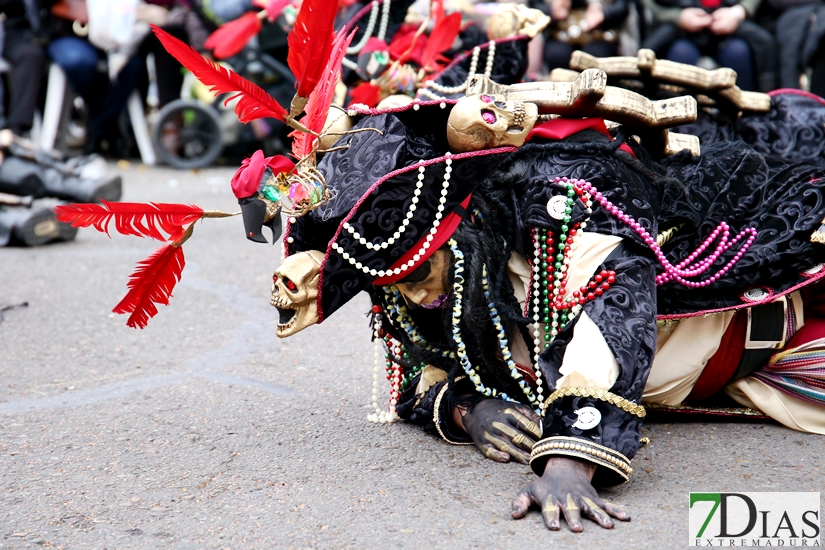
(310, 43)
(132, 218)
(366, 94)
(318, 105)
(231, 37)
(151, 283)
(254, 103)
(445, 30)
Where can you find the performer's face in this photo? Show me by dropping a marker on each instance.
(428, 286)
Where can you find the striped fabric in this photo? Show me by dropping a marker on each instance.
(799, 372)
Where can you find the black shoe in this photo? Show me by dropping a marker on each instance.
(24, 177)
(33, 226)
(108, 188)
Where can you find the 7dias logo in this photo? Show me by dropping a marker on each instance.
(754, 519)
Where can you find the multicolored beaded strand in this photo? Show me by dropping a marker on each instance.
(398, 312)
(504, 345)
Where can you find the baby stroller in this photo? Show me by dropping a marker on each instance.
(196, 122)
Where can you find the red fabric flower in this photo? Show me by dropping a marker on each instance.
(247, 180)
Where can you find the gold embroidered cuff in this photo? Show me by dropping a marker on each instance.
(615, 466)
(603, 395)
(437, 420)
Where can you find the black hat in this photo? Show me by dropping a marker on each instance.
(398, 197)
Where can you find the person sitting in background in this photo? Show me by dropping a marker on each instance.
(105, 98)
(685, 30)
(801, 26)
(591, 26)
(182, 22)
(23, 50)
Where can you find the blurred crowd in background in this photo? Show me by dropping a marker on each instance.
(770, 44)
(83, 80)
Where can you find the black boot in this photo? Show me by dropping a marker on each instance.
(24, 177)
(32, 226)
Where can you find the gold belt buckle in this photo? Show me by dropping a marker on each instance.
(768, 344)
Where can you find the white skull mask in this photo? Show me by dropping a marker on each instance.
(484, 121)
(294, 291)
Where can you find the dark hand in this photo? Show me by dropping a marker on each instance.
(565, 489)
(501, 430)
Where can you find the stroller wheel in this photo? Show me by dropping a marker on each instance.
(187, 135)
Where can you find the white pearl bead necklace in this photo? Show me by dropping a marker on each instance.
(537, 336)
(449, 90)
(445, 186)
(382, 31)
(381, 416)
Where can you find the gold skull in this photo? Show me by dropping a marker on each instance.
(484, 121)
(516, 19)
(336, 124)
(294, 291)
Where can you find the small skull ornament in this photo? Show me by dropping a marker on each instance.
(484, 121)
(516, 19)
(337, 123)
(294, 291)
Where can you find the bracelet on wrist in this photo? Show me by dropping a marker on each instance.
(615, 467)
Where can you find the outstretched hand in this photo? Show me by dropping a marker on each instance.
(565, 489)
(502, 431)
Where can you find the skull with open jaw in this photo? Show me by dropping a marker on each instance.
(295, 290)
(485, 121)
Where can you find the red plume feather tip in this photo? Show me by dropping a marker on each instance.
(231, 37)
(366, 94)
(132, 218)
(254, 102)
(445, 30)
(151, 283)
(318, 105)
(310, 43)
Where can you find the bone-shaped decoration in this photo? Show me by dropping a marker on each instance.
(721, 82)
(589, 95)
(675, 143)
(669, 142)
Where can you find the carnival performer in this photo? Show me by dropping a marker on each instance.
(533, 280)
(573, 338)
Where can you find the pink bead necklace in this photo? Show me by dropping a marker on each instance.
(685, 269)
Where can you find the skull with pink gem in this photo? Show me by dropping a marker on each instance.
(485, 121)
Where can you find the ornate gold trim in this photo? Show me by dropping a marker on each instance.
(581, 448)
(602, 395)
(436, 420)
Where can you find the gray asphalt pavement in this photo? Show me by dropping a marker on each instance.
(206, 431)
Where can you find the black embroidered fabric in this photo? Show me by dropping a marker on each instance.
(794, 128)
(731, 182)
